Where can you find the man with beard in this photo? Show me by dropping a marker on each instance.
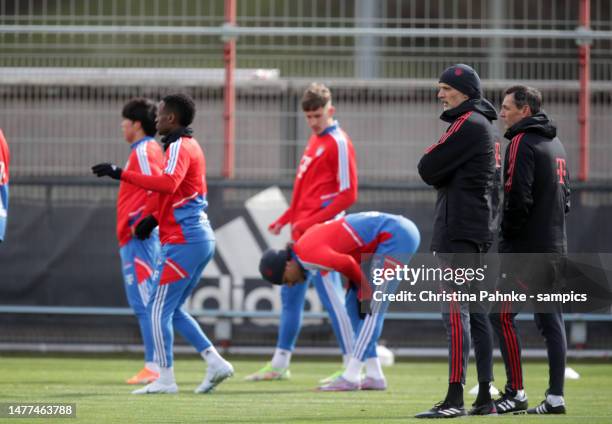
(462, 167)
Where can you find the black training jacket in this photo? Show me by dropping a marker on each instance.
(536, 188)
(463, 168)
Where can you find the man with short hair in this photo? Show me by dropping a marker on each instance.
(4, 184)
(462, 167)
(325, 186)
(187, 239)
(533, 242)
(138, 257)
(382, 240)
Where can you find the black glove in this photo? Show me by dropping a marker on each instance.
(104, 169)
(145, 227)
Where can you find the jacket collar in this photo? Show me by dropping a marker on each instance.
(334, 126)
(480, 105)
(175, 135)
(142, 140)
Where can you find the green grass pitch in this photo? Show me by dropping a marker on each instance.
(96, 386)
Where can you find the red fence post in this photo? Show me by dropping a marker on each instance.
(229, 96)
(584, 56)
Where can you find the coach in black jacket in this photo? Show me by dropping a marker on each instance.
(536, 186)
(464, 166)
(532, 242)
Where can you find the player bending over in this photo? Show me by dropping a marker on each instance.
(342, 245)
(325, 186)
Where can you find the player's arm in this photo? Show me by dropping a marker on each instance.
(344, 157)
(281, 221)
(151, 162)
(455, 147)
(165, 183)
(155, 158)
(287, 216)
(518, 191)
(176, 167)
(326, 258)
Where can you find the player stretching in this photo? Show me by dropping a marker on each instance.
(138, 257)
(341, 245)
(187, 241)
(325, 186)
(4, 184)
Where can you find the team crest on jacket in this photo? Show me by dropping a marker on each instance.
(304, 163)
(320, 151)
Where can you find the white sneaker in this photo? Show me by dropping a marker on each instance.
(157, 387)
(214, 377)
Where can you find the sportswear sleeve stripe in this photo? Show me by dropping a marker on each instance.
(343, 162)
(353, 234)
(143, 160)
(173, 157)
(512, 162)
(453, 129)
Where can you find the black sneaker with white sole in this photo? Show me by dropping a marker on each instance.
(487, 408)
(443, 409)
(547, 408)
(509, 403)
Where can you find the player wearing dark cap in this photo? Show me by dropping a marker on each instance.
(465, 170)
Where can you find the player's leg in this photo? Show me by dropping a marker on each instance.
(392, 253)
(178, 273)
(549, 321)
(481, 333)
(367, 339)
(503, 322)
(137, 266)
(456, 319)
(552, 328)
(292, 300)
(194, 258)
(163, 300)
(349, 379)
(330, 290)
(482, 339)
(292, 310)
(397, 251)
(457, 323)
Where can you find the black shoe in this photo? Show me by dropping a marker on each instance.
(509, 403)
(487, 408)
(443, 409)
(547, 408)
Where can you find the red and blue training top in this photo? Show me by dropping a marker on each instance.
(182, 193)
(4, 183)
(342, 244)
(326, 180)
(146, 158)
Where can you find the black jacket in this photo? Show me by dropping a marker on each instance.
(536, 189)
(462, 167)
